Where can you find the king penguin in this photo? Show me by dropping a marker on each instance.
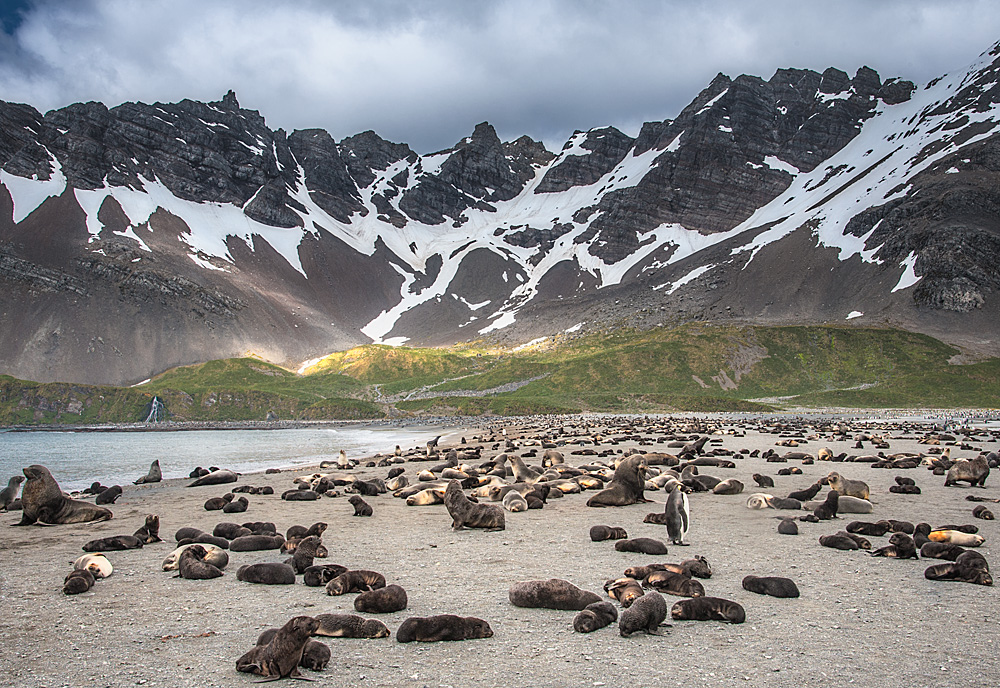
(678, 515)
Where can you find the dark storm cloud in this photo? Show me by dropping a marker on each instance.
(426, 72)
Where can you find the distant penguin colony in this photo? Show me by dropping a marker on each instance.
(476, 493)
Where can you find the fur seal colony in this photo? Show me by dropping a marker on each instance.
(448, 576)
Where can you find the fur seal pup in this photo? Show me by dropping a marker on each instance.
(305, 552)
(828, 509)
(149, 532)
(708, 609)
(9, 493)
(697, 567)
(763, 480)
(847, 488)
(215, 556)
(940, 550)
(788, 527)
(306, 495)
(237, 506)
(361, 507)
(256, 543)
(956, 537)
(281, 656)
(355, 581)
(784, 503)
(599, 533)
(43, 502)
(430, 629)
(870, 529)
(626, 590)
(114, 543)
(674, 584)
(983, 513)
(77, 581)
(728, 487)
(641, 545)
(315, 655)
(900, 546)
(514, 502)
(321, 574)
(469, 514)
(645, 614)
(97, 564)
(595, 616)
(154, 475)
(956, 572)
(806, 494)
(218, 503)
(220, 477)
(350, 626)
(626, 486)
(266, 573)
(391, 598)
(759, 500)
(192, 564)
(554, 593)
(109, 495)
(973, 559)
(861, 542)
(677, 512)
(844, 542)
(972, 471)
(230, 531)
(775, 586)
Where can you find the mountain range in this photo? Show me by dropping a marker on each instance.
(141, 237)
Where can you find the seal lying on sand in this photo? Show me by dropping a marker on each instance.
(43, 502)
(442, 627)
(554, 593)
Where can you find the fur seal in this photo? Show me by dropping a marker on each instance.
(626, 590)
(763, 480)
(256, 543)
(429, 629)
(514, 502)
(983, 513)
(192, 564)
(149, 532)
(728, 487)
(599, 533)
(300, 495)
(97, 564)
(973, 559)
(391, 598)
(355, 581)
(466, 513)
(788, 527)
(218, 503)
(870, 529)
(266, 573)
(806, 494)
(828, 509)
(236, 506)
(844, 542)
(361, 507)
(321, 574)
(775, 586)
(642, 545)
(114, 543)
(154, 475)
(305, 552)
(645, 614)
(901, 546)
(109, 495)
(281, 656)
(43, 502)
(626, 486)
(315, 655)
(677, 511)
(848, 488)
(940, 550)
(708, 609)
(230, 531)
(220, 477)
(595, 616)
(215, 556)
(972, 471)
(554, 593)
(9, 493)
(674, 584)
(956, 537)
(77, 581)
(350, 626)
(956, 572)
(759, 500)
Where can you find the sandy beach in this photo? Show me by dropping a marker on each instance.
(860, 620)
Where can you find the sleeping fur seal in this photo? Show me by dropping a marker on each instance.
(215, 556)
(192, 564)
(266, 573)
(109, 495)
(280, 658)
(466, 513)
(321, 574)
(355, 581)
(391, 598)
(350, 626)
(431, 629)
(598, 533)
(595, 616)
(708, 609)
(642, 545)
(554, 593)
(626, 486)
(220, 477)
(77, 581)
(775, 586)
(43, 502)
(113, 543)
(97, 564)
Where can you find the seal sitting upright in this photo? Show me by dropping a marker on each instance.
(466, 513)
(626, 486)
(43, 502)
(280, 657)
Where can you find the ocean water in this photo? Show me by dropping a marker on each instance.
(77, 459)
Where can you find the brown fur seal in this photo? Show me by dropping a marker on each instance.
(114, 543)
(674, 584)
(350, 626)
(266, 573)
(708, 609)
(595, 616)
(149, 532)
(230, 531)
(218, 503)
(237, 506)
(321, 574)
(215, 556)
(154, 475)
(554, 593)
(788, 527)
(806, 494)
(43, 502)
(763, 480)
(626, 486)
(972, 471)
(956, 572)
(983, 513)
(828, 509)
(870, 529)
(468, 514)
(191, 564)
(429, 629)
(391, 598)
(626, 590)
(355, 581)
(256, 543)
(280, 658)
(361, 507)
(940, 550)
(645, 614)
(315, 655)
(109, 495)
(9, 493)
(77, 581)
(844, 542)
(848, 488)
(305, 552)
(97, 564)
(642, 545)
(220, 477)
(775, 586)
(599, 533)
(731, 486)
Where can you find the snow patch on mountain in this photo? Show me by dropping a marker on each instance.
(28, 194)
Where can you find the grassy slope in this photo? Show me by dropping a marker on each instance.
(623, 371)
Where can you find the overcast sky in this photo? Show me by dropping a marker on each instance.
(424, 72)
